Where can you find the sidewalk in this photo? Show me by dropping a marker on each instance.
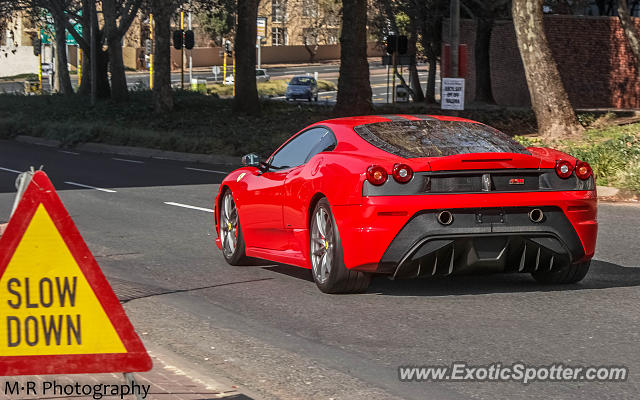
(162, 382)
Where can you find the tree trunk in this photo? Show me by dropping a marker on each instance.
(431, 81)
(119, 90)
(162, 92)
(62, 68)
(633, 37)
(246, 99)
(483, 61)
(413, 50)
(354, 88)
(549, 99)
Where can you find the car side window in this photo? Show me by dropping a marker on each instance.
(327, 143)
(297, 151)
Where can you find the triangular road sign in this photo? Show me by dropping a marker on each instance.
(58, 314)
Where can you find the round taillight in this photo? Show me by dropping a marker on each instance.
(402, 173)
(376, 175)
(583, 170)
(564, 169)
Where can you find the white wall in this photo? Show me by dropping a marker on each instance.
(22, 62)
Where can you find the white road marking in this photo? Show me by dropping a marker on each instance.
(129, 161)
(328, 92)
(91, 187)
(171, 203)
(278, 97)
(68, 152)
(206, 170)
(11, 170)
(296, 72)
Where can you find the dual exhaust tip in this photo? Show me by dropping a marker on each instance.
(446, 217)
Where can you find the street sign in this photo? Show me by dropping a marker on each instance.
(262, 27)
(387, 59)
(58, 314)
(452, 97)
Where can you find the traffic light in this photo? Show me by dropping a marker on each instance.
(37, 46)
(403, 43)
(189, 40)
(390, 43)
(177, 39)
(227, 48)
(148, 46)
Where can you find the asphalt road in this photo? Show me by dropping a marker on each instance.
(268, 328)
(329, 72)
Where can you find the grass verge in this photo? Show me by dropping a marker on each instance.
(612, 151)
(272, 88)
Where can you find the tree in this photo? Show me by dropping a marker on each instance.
(162, 91)
(485, 12)
(321, 18)
(246, 98)
(118, 16)
(549, 99)
(218, 20)
(430, 14)
(354, 88)
(633, 38)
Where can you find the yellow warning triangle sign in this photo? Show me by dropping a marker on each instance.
(58, 313)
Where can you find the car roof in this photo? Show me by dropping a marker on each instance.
(352, 122)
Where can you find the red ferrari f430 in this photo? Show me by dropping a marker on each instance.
(409, 196)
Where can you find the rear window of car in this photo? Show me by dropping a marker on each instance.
(434, 138)
(301, 81)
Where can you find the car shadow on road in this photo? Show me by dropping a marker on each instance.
(602, 275)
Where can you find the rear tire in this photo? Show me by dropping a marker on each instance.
(327, 257)
(231, 238)
(572, 273)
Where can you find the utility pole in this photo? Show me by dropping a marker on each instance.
(151, 53)
(94, 53)
(182, 51)
(454, 36)
(190, 57)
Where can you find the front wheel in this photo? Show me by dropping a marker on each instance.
(327, 257)
(572, 273)
(231, 236)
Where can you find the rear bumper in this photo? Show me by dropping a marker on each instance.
(400, 234)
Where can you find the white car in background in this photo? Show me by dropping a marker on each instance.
(261, 76)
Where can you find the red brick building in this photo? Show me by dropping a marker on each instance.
(593, 57)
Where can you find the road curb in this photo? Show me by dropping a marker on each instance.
(143, 152)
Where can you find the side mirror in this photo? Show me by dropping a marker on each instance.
(251, 160)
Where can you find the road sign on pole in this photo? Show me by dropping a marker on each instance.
(58, 313)
(452, 97)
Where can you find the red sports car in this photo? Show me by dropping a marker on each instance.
(409, 196)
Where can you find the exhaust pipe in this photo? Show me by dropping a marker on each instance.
(536, 215)
(445, 217)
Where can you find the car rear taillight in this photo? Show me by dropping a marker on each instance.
(564, 169)
(583, 170)
(402, 173)
(376, 175)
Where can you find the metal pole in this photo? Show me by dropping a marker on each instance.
(79, 62)
(259, 50)
(387, 84)
(182, 51)
(190, 51)
(40, 58)
(393, 87)
(94, 53)
(151, 54)
(454, 35)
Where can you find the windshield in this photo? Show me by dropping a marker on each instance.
(434, 138)
(301, 80)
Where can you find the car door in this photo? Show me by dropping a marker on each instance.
(265, 193)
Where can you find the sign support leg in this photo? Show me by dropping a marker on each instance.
(131, 380)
